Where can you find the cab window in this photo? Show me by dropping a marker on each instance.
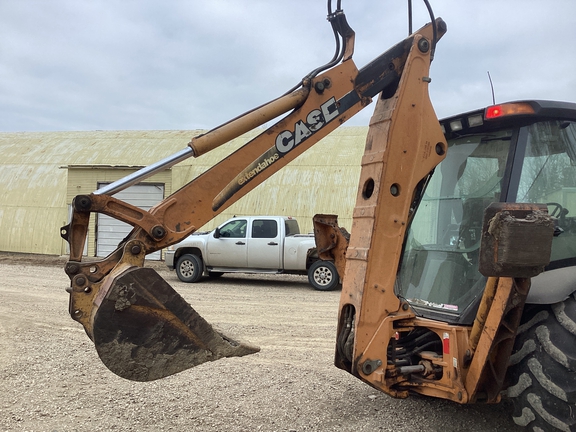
(549, 177)
(234, 229)
(264, 228)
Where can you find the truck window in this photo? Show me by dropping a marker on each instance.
(262, 228)
(234, 229)
(292, 227)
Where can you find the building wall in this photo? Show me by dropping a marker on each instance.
(32, 200)
(40, 173)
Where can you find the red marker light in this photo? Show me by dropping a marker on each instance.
(493, 111)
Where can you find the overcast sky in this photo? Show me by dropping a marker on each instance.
(194, 64)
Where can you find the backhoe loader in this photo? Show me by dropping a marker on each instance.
(458, 277)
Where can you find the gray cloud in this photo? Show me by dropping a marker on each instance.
(151, 64)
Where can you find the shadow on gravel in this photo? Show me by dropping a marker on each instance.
(256, 280)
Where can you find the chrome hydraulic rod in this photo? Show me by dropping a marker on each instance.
(214, 138)
(144, 173)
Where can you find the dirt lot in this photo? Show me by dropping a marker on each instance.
(51, 378)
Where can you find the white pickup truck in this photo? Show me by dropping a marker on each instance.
(252, 244)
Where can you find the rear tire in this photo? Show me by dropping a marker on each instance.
(189, 268)
(542, 369)
(323, 276)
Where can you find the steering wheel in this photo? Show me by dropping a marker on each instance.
(557, 210)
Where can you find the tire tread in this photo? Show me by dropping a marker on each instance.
(542, 372)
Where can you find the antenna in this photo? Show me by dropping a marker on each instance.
(492, 88)
(409, 17)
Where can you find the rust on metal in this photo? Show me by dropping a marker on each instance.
(331, 241)
(509, 233)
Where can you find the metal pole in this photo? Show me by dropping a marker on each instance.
(409, 17)
(144, 173)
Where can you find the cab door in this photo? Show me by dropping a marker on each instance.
(230, 248)
(265, 245)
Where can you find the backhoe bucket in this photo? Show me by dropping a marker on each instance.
(144, 330)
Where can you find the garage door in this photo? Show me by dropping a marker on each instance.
(111, 231)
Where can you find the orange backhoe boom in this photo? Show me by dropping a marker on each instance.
(141, 327)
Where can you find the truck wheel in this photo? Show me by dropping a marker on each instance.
(323, 276)
(189, 268)
(543, 369)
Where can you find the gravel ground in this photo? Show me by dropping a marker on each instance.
(51, 378)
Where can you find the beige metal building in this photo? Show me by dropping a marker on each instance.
(41, 172)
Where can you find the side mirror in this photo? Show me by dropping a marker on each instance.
(217, 233)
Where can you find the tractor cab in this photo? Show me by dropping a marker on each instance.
(522, 152)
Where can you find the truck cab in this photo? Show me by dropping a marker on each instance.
(252, 244)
